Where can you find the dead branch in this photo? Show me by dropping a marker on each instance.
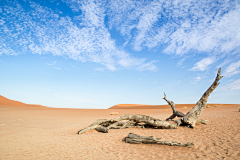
(94, 125)
(175, 112)
(137, 118)
(136, 139)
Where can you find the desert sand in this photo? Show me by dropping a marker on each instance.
(30, 132)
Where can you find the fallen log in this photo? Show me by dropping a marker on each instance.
(137, 118)
(136, 139)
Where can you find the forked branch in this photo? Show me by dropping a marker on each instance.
(175, 112)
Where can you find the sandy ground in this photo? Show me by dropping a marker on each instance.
(47, 133)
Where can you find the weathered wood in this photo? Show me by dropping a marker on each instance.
(202, 121)
(119, 127)
(128, 123)
(115, 125)
(136, 139)
(192, 116)
(95, 124)
(102, 129)
(137, 118)
(175, 112)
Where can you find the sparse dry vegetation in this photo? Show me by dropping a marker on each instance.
(184, 107)
(208, 106)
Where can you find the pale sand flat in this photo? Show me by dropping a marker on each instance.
(48, 133)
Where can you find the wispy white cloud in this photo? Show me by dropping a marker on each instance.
(180, 63)
(49, 90)
(232, 69)
(180, 27)
(198, 78)
(203, 64)
(99, 69)
(148, 66)
(174, 27)
(235, 85)
(57, 68)
(51, 64)
(44, 31)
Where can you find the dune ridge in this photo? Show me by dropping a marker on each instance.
(143, 106)
(8, 102)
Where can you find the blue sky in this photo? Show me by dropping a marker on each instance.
(96, 54)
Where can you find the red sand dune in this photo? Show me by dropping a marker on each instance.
(8, 102)
(142, 106)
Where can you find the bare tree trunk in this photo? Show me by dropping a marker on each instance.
(192, 116)
(136, 139)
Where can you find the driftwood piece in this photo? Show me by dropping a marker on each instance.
(192, 116)
(128, 123)
(137, 118)
(116, 125)
(175, 112)
(202, 121)
(136, 139)
(94, 125)
(119, 127)
(102, 129)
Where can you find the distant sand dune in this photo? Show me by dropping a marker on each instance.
(143, 106)
(8, 102)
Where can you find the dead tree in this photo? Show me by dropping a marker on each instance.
(143, 121)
